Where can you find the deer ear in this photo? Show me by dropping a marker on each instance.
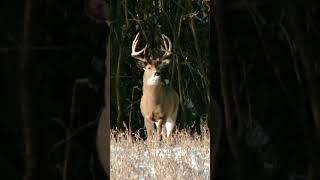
(141, 64)
(164, 63)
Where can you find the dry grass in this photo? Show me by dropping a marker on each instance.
(187, 158)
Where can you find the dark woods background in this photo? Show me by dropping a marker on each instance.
(186, 23)
(52, 57)
(265, 84)
(263, 65)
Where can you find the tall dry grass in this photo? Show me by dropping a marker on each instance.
(187, 157)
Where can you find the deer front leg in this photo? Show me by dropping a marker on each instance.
(164, 133)
(148, 121)
(159, 125)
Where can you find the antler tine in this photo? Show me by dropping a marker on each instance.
(140, 55)
(167, 47)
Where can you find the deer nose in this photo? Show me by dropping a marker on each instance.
(157, 73)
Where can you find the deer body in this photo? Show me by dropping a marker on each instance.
(159, 103)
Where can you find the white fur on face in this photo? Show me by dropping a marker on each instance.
(153, 80)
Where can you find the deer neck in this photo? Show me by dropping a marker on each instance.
(152, 92)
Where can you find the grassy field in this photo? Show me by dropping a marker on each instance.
(188, 157)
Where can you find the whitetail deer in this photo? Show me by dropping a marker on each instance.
(159, 103)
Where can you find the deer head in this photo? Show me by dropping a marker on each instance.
(152, 68)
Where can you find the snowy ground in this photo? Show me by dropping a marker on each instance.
(187, 158)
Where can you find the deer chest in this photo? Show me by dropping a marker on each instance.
(152, 111)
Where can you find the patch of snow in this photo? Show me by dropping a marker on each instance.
(195, 158)
(190, 104)
(166, 81)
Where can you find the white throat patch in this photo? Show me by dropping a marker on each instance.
(154, 80)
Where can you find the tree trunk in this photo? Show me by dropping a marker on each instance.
(35, 161)
(303, 41)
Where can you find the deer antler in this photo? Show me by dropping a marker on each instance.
(167, 47)
(140, 55)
